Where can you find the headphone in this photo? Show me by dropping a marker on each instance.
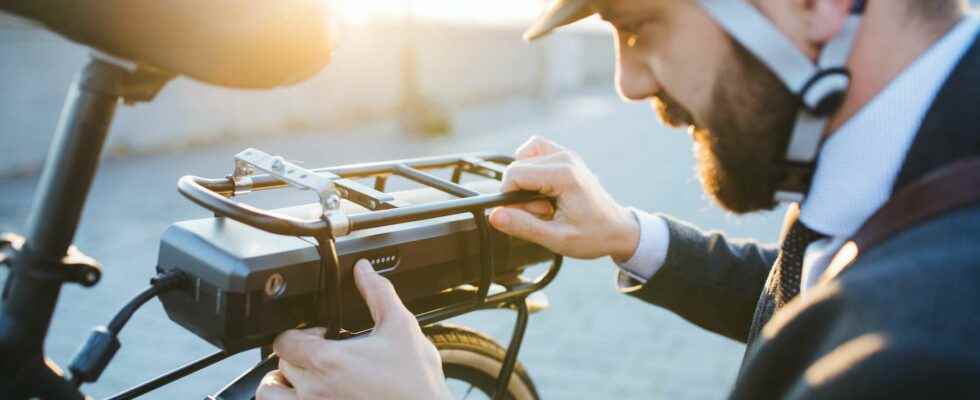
(819, 87)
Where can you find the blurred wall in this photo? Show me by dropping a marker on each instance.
(456, 66)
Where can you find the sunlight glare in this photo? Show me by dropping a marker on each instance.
(495, 12)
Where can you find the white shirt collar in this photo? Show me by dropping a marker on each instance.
(858, 165)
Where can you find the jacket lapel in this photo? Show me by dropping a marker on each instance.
(951, 128)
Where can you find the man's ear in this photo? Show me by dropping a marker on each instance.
(824, 18)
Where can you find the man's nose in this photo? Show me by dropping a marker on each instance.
(634, 78)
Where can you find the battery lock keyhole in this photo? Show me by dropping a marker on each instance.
(275, 286)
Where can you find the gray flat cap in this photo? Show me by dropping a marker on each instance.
(560, 13)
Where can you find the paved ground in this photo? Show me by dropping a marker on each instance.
(593, 343)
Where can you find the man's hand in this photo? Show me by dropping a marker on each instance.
(395, 361)
(587, 222)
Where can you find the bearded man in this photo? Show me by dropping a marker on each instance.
(863, 115)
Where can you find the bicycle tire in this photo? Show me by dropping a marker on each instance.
(476, 359)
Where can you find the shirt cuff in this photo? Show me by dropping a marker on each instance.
(651, 252)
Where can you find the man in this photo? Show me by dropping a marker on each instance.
(876, 95)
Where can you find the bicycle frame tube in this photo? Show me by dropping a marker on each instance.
(38, 269)
(72, 160)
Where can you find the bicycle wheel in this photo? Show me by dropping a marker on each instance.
(471, 362)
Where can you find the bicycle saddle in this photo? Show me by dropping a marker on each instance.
(234, 43)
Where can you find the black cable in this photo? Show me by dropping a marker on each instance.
(159, 284)
(103, 343)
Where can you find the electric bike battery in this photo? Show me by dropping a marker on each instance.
(247, 285)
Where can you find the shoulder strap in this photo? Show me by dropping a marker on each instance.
(947, 189)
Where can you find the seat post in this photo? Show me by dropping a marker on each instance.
(37, 269)
(72, 159)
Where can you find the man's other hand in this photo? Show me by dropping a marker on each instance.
(585, 223)
(396, 361)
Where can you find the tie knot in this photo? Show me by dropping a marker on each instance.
(802, 233)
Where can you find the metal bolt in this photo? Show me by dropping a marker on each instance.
(333, 202)
(275, 286)
(278, 163)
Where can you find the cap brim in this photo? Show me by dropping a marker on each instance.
(560, 13)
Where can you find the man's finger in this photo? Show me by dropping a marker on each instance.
(537, 146)
(274, 386)
(378, 293)
(539, 208)
(543, 174)
(297, 376)
(298, 347)
(317, 331)
(544, 179)
(526, 226)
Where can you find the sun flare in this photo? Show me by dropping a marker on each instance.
(495, 12)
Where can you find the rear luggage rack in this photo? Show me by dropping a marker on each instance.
(383, 209)
(382, 227)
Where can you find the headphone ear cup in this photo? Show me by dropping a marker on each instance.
(830, 103)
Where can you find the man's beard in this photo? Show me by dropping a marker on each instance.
(743, 136)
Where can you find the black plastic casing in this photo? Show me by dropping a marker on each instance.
(226, 302)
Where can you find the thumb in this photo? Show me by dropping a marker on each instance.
(379, 294)
(527, 226)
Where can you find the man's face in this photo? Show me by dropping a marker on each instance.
(673, 54)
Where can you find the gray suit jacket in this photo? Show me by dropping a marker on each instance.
(903, 321)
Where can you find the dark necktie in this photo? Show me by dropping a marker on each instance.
(789, 264)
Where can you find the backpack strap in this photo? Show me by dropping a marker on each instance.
(946, 189)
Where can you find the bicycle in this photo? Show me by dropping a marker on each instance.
(238, 306)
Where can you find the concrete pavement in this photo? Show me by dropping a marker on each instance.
(593, 343)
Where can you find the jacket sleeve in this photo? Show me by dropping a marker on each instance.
(708, 279)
